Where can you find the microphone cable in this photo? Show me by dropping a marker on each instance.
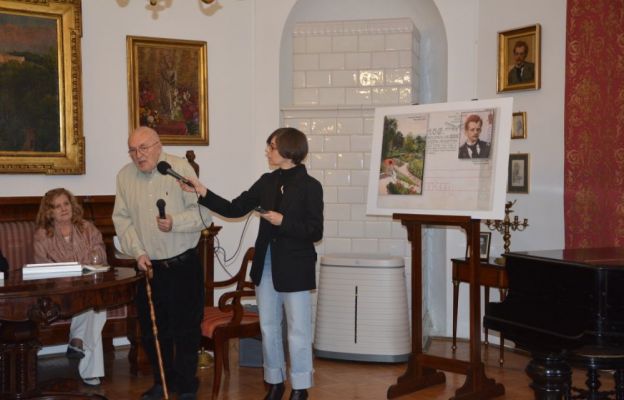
(225, 262)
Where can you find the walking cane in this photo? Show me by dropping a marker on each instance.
(155, 332)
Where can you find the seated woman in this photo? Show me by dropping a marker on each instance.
(4, 266)
(62, 235)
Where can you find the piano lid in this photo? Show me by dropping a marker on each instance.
(591, 257)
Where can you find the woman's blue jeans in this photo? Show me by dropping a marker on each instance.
(298, 308)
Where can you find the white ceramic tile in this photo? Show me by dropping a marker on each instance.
(318, 44)
(323, 161)
(315, 79)
(303, 124)
(371, 42)
(351, 194)
(385, 59)
(323, 126)
(358, 96)
(305, 62)
(399, 41)
(368, 246)
(361, 143)
(335, 143)
(350, 161)
(299, 79)
(385, 95)
(369, 124)
(367, 158)
(378, 229)
(332, 96)
(330, 228)
(344, 78)
(398, 76)
(338, 212)
(330, 61)
(371, 77)
(405, 96)
(399, 231)
(344, 43)
(305, 97)
(317, 174)
(337, 245)
(315, 143)
(394, 247)
(405, 59)
(357, 60)
(299, 44)
(353, 229)
(345, 125)
(330, 194)
(336, 177)
(359, 178)
(358, 212)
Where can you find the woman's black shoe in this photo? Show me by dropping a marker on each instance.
(298, 394)
(275, 392)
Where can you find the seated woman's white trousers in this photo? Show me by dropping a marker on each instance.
(87, 326)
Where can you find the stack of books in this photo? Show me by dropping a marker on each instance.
(51, 270)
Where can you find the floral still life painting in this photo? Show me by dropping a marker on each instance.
(168, 88)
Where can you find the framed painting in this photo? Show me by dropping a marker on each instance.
(518, 173)
(519, 59)
(40, 87)
(167, 88)
(484, 246)
(518, 125)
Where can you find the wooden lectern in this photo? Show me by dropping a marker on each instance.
(422, 369)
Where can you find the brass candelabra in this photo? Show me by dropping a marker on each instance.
(506, 226)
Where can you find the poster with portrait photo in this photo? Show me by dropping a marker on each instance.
(415, 165)
(476, 138)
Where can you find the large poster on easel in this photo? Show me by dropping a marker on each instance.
(441, 159)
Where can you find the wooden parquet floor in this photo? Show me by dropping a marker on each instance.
(334, 380)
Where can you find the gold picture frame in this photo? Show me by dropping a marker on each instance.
(519, 125)
(519, 55)
(167, 88)
(43, 136)
(518, 173)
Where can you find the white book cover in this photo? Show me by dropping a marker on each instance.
(51, 268)
(49, 275)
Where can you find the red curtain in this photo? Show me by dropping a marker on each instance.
(594, 124)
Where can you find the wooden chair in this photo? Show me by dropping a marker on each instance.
(229, 320)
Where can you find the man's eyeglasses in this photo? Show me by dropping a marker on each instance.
(142, 149)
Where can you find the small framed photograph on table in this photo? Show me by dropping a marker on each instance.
(484, 246)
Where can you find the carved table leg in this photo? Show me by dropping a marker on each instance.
(18, 359)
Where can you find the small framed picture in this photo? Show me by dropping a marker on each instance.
(484, 246)
(518, 173)
(519, 59)
(519, 126)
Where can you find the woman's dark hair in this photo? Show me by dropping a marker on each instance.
(291, 143)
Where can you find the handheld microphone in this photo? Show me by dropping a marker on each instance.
(165, 168)
(161, 208)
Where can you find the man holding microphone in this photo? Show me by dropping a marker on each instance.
(167, 247)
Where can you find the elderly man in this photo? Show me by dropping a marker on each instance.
(166, 246)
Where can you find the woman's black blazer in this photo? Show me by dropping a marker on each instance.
(293, 255)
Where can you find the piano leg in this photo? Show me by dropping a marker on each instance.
(551, 376)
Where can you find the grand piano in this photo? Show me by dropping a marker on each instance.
(559, 301)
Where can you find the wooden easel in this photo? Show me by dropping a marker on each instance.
(422, 369)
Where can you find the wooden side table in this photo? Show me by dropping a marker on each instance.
(491, 275)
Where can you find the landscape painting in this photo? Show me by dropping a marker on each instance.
(403, 155)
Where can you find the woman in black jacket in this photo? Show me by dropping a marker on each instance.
(290, 203)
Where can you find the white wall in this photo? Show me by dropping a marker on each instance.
(245, 76)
